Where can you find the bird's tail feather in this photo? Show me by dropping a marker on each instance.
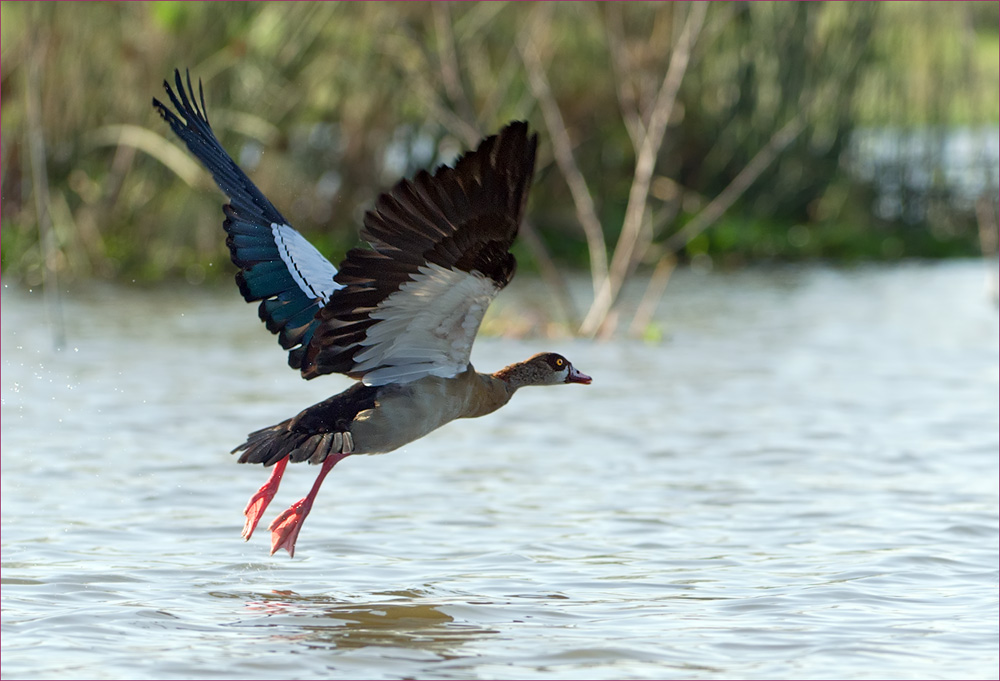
(270, 445)
(312, 435)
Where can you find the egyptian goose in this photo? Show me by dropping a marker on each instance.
(399, 317)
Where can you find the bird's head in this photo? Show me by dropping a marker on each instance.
(545, 368)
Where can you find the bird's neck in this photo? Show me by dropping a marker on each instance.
(518, 375)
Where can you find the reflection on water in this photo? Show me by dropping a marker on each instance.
(800, 481)
(397, 619)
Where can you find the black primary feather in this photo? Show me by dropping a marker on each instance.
(463, 217)
(288, 307)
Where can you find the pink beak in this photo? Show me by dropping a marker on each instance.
(577, 376)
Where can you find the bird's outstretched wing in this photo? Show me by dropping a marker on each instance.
(412, 306)
(277, 265)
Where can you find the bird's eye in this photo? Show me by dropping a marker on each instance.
(560, 363)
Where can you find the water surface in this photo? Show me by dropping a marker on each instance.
(801, 480)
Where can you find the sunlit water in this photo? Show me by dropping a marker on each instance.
(799, 480)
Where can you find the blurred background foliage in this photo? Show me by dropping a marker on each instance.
(889, 115)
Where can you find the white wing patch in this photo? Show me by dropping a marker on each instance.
(310, 270)
(426, 328)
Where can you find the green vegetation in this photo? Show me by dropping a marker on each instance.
(326, 104)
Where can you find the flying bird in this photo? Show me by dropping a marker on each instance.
(400, 317)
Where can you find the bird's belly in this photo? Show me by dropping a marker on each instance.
(401, 418)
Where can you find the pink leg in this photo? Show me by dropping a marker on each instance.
(285, 528)
(259, 501)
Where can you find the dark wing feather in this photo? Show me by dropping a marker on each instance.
(440, 252)
(277, 265)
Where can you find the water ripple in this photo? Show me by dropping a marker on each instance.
(801, 482)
